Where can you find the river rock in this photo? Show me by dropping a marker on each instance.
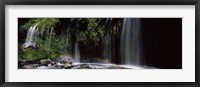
(30, 66)
(47, 67)
(85, 66)
(21, 63)
(45, 61)
(64, 59)
(67, 66)
(59, 65)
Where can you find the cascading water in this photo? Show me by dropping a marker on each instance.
(30, 38)
(107, 43)
(77, 53)
(50, 34)
(107, 47)
(130, 42)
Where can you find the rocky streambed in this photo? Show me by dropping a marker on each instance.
(73, 66)
(69, 63)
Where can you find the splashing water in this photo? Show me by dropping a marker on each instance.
(30, 38)
(130, 42)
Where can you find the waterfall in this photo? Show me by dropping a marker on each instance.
(107, 43)
(77, 53)
(107, 47)
(30, 38)
(130, 42)
(51, 31)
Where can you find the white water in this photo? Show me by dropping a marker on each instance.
(77, 53)
(130, 42)
(30, 38)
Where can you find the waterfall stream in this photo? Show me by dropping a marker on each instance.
(77, 53)
(107, 43)
(51, 31)
(107, 47)
(30, 38)
(130, 42)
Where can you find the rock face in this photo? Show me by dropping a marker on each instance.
(45, 62)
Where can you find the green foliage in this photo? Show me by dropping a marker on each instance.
(64, 45)
(48, 48)
(51, 45)
(20, 51)
(54, 45)
(94, 33)
(33, 54)
(42, 23)
(92, 23)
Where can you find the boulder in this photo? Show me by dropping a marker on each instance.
(45, 61)
(64, 59)
(67, 66)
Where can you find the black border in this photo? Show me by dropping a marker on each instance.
(98, 2)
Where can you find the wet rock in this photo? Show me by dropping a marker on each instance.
(47, 67)
(76, 67)
(59, 65)
(45, 61)
(67, 66)
(36, 65)
(21, 60)
(96, 66)
(53, 63)
(30, 66)
(85, 66)
(64, 59)
(21, 63)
